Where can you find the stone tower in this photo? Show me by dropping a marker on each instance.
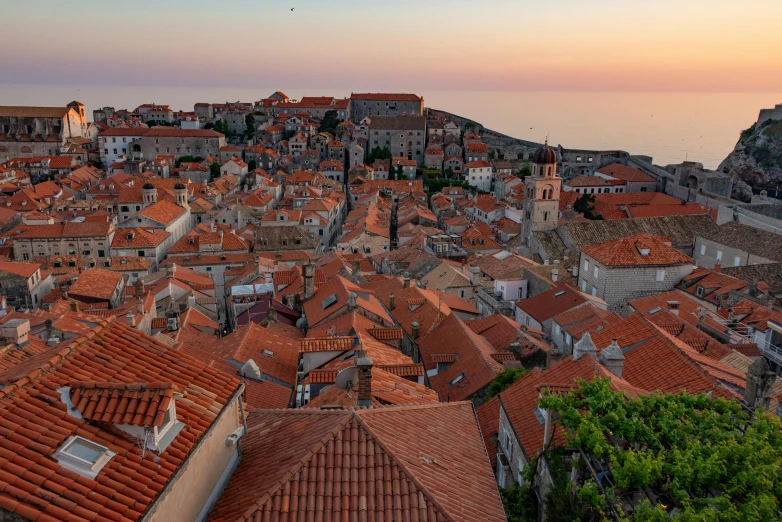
(541, 194)
(148, 194)
(180, 195)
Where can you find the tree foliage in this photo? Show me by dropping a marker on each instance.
(525, 170)
(249, 122)
(378, 154)
(505, 379)
(214, 171)
(704, 459)
(586, 205)
(329, 122)
(188, 159)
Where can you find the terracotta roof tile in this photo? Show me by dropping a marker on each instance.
(428, 462)
(637, 250)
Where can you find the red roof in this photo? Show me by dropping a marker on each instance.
(637, 250)
(543, 307)
(36, 422)
(385, 96)
(96, 284)
(474, 367)
(623, 172)
(424, 462)
(20, 269)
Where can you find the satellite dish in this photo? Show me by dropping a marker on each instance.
(346, 378)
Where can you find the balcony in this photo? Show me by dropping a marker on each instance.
(495, 303)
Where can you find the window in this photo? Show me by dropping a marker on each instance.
(703, 250)
(457, 379)
(586, 265)
(736, 261)
(699, 291)
(594, 291)
(595, 272)
(719, 255)
(141, 253)
(660, 276)
(583, 286)
(209, 269)
(83, 456)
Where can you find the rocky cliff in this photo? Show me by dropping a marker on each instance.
(757, 157)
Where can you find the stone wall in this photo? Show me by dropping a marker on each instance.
(708, 253)
(618, 285)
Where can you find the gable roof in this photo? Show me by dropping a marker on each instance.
(404, 461)
(637, 250)
(473, 368)
(543, 307)
(35, 423)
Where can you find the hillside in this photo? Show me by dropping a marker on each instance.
(757, 157)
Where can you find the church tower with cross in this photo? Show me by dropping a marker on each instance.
(541, 194)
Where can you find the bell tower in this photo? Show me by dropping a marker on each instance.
(541, 194)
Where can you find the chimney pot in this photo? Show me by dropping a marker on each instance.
(717, 267)
(416, 328)
(391, 303)
(75, 306)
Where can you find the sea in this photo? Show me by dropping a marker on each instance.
(671, 127)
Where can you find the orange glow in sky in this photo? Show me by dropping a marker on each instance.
(683, 45)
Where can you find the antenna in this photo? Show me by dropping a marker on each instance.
(346, 378)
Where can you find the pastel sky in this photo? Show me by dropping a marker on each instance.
(645, 45)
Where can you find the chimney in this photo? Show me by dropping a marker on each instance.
(75, 306)
(357, 267)
(583, 347)
(416, 329)
(406, 283)
(191, 301)
(352, 301)
(391, 304)
(309, 281)
(613, 358)
(673, 307)
(554, 275)
(760, 381)
(364, 365)
(171, 270)
(717, 267)
(475, 275)
(131, 319)
(16, 331)
(271, 315)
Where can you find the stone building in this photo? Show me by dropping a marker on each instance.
(377, 104)
(171, 141)
(734, 244)
(23, 284)
(541, 195)
(39, 131)
(403, 135)
(636, 266)
(117, 142)
(86, 239)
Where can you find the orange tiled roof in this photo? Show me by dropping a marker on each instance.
(637, 250)
(474, 367)
(34, 428)
(96, 283)
(404, 460)
(127, 403)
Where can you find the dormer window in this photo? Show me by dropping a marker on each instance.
(82, 456)
(699, 291)
(644, 251)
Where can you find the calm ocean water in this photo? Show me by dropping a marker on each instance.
(670, 127)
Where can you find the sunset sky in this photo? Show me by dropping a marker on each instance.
(661, 45)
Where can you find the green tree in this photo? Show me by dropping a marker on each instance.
(586, 205)
(252, 165)
(329, 122)
(188, 159)
(505, 379)
(249, 122)
(152, 123)
(701, 458)
(214, 171)
(288, 134)
(378, 154)
(525, 170)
